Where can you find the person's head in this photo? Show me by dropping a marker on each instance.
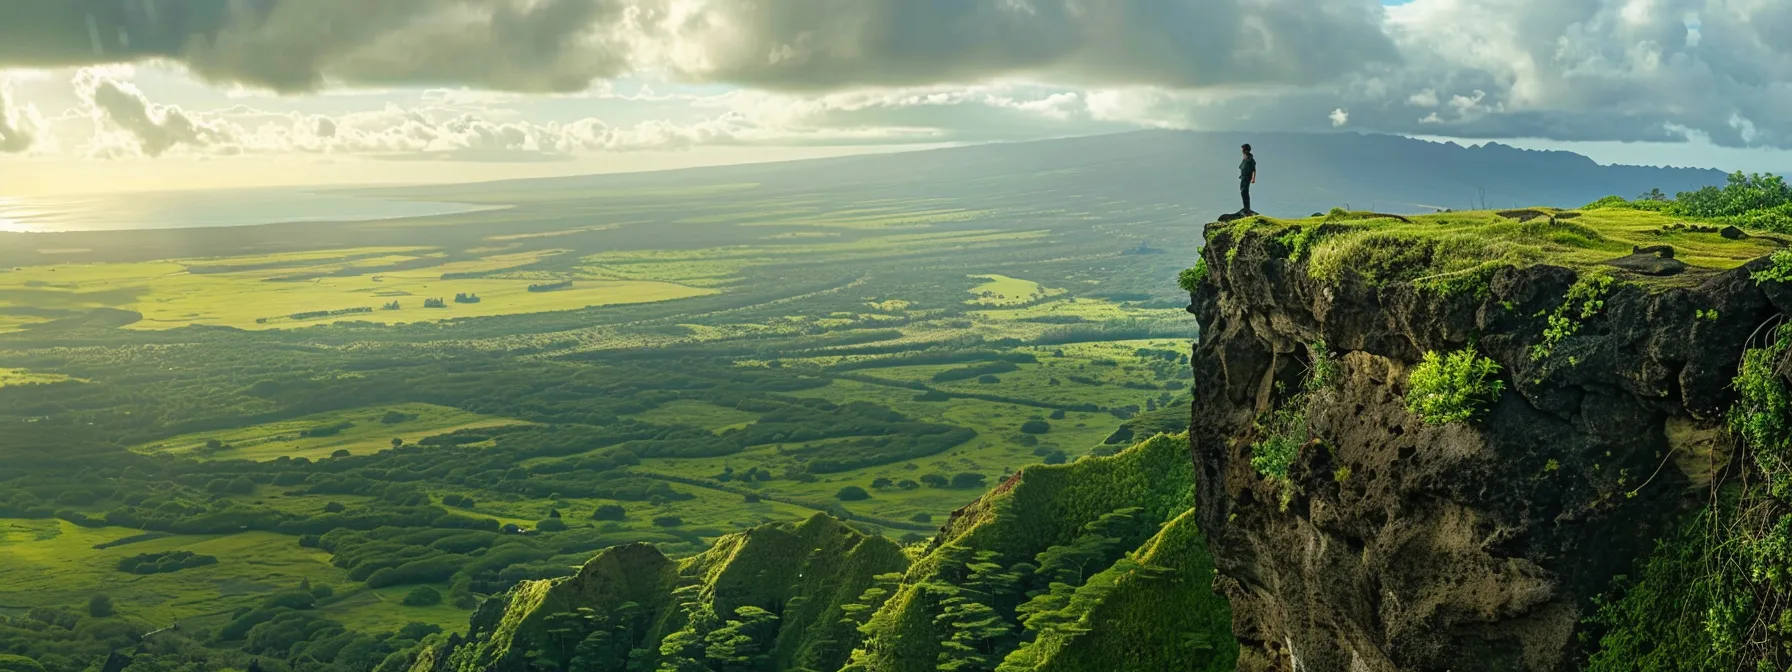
(1247, 149)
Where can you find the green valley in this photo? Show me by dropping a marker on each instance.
(594, 369)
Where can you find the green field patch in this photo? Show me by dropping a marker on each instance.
(723, 266)
(1001, 290)
(493, 263)
(698, 413)
(880, 218)
(524, 196)
(998, 446)
(383, 609)
(22, 377)
(745, 217)
(558, 233)
(306, 258)
(361, 431)
(54, 563)
(1064, 311)
(169, 296)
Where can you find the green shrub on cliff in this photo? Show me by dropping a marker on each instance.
(1192, 277)
(1760, 417)
(1780, 271)
(1585, 299)
(1453, 388)
(1283, 431)
(1689, 607)
(1713, 594)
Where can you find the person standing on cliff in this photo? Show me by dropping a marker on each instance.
(1247, 176)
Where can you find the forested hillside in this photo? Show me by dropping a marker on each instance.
(1095, 565)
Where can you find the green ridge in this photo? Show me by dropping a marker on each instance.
(1160, 614)
(812, 596)
(1046, 509)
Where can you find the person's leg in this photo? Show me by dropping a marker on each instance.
(1244, 192)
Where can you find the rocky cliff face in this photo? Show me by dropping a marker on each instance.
(1400, 545)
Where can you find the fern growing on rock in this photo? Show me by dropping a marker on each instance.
(1193, 277)
(1457, 387)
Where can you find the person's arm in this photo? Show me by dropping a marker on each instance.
(1253, 174)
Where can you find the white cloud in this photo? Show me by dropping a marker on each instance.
(20, 123)
(884, 70)
(454, 124)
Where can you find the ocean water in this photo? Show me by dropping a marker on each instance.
(200, 209)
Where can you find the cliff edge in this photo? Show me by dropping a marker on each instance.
(1438, 443)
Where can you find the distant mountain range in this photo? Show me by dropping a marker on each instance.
(1298, 173)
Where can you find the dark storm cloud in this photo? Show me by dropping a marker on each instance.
(298, 45)
(1556, 69)
(1568, 70)
(827, 44)
(561, 45)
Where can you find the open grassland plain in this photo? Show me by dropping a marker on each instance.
(54, 562)
(1001, 290)
(359, 431)
(1458, 250)
(21, 378)
(297, 290)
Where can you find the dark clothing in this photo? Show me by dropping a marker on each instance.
(1246, 169)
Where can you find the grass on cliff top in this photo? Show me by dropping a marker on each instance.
(1448, 248)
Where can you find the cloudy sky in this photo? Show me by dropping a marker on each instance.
(157, 94)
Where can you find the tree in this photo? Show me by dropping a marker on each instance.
(609, 512)
(340, 453)
(551, 525)
(668, 521)
(852, 493)
(423, 596)
(743, 644)
(414, 631)
(968, 480)
(397, 442)
(934, 480)
(100, 606)
(907, 484)
(1035, 426)
(597, 652)
(881, 483)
